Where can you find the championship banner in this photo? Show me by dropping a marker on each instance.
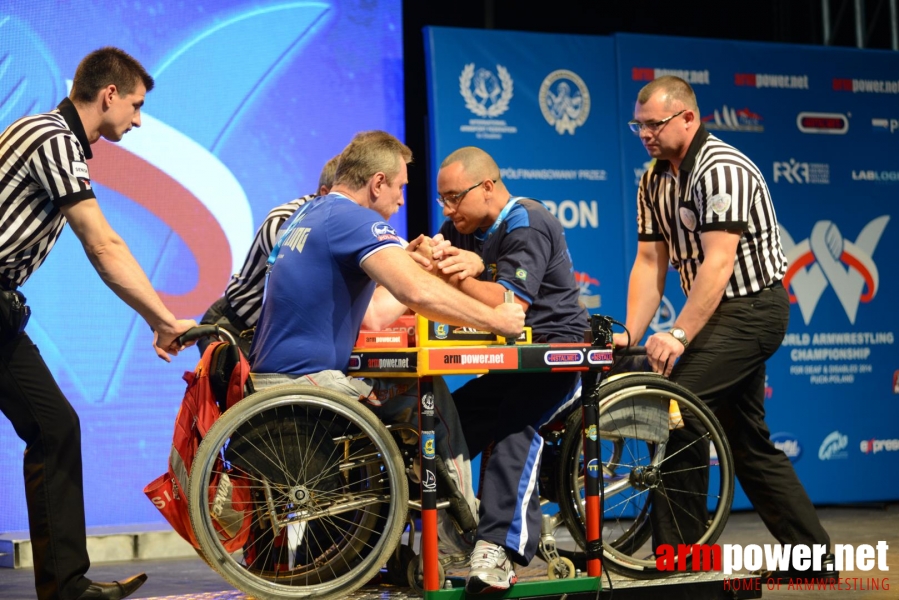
(251, 99)
(543, 106)
(822, 125)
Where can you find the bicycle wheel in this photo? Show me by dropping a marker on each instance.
(310, 486)
(667, 473)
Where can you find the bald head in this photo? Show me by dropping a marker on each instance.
(477, 164)
(672, 90)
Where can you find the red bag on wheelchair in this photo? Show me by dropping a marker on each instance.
(217, 383)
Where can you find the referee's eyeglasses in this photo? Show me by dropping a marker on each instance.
(652, 126)
(452, 201)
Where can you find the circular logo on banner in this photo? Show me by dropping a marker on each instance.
(564, 101)
(688, 218)
(486, 94)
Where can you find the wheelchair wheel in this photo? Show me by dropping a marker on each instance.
(667, 473)
(298, 491)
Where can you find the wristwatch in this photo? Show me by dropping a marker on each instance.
(680, 335)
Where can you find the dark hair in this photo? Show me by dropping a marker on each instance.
(108, 66)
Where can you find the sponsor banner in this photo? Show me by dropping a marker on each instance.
(542, 106)
(385, 361)
(820, 125)
(471, 360)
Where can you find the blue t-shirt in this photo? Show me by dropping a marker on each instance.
(527, 254)
(317, 291)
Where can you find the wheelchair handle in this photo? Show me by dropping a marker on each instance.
(201, 331)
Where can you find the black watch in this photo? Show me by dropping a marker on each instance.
(680, 335)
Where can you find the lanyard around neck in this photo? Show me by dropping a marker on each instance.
(483, 237)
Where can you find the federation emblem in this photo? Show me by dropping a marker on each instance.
(564, 101)
(720, 203)
(427, 401)
(688, 218)
(441, 330)
(486, 94)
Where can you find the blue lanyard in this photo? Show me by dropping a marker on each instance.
(482, 237)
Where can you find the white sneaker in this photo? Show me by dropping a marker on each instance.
(491, 570)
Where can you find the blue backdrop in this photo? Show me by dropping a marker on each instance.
(251, 99)
(822, 124)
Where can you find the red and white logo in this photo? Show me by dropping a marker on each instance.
(827, 259)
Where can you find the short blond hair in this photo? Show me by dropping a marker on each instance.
(370, 152)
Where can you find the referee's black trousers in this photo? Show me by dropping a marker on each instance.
(725, 367)
(50, 428)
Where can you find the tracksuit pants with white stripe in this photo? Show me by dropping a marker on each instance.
(508, 410)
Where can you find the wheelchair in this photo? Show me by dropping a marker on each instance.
(316, 488)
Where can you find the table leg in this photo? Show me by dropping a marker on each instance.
(429, 556)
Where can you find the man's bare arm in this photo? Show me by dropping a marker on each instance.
(431, 297)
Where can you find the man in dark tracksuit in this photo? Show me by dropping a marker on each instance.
(502, 243)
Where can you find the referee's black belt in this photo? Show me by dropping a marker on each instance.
(774, 285)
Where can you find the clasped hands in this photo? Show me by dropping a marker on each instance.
(439, 257)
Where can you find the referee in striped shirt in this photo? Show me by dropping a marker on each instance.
(705, 208)
(45, 183)
(238, 309)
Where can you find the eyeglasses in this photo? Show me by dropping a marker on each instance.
(454, 200)
(652, 126)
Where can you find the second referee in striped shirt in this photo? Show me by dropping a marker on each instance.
(705, 208)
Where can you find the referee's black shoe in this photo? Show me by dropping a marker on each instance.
(827, 573)
(114, 590)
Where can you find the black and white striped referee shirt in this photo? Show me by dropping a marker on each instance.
(42, 168)
(717, 188)
(244, 292)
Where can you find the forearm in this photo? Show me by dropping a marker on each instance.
(383, 310)
(705, 296)
(644, 294)
(488, 292)
(120, 271)
(446, 304)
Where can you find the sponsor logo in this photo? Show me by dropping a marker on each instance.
(833, 446)
(789, 444)
(866, 86)
(775, 557)
(728, 119)
(591, 433)
(79, 169)
(502, 358)
(441, 331)
(427, 444)
(355, 362)
(487, 95)
(814, 122)
(600, 357)
(564, 101)
(793, 171)
(825, 259)
(587, 297)
(382, 231)
(769, 80)
(885, 125)
(873, 446)
(896, 382)
(876, 176)
(693, 77)
(563, 357)
(385, 364)
(430, 480)
(593, 468)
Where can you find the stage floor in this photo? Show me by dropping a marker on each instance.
(191, 579)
